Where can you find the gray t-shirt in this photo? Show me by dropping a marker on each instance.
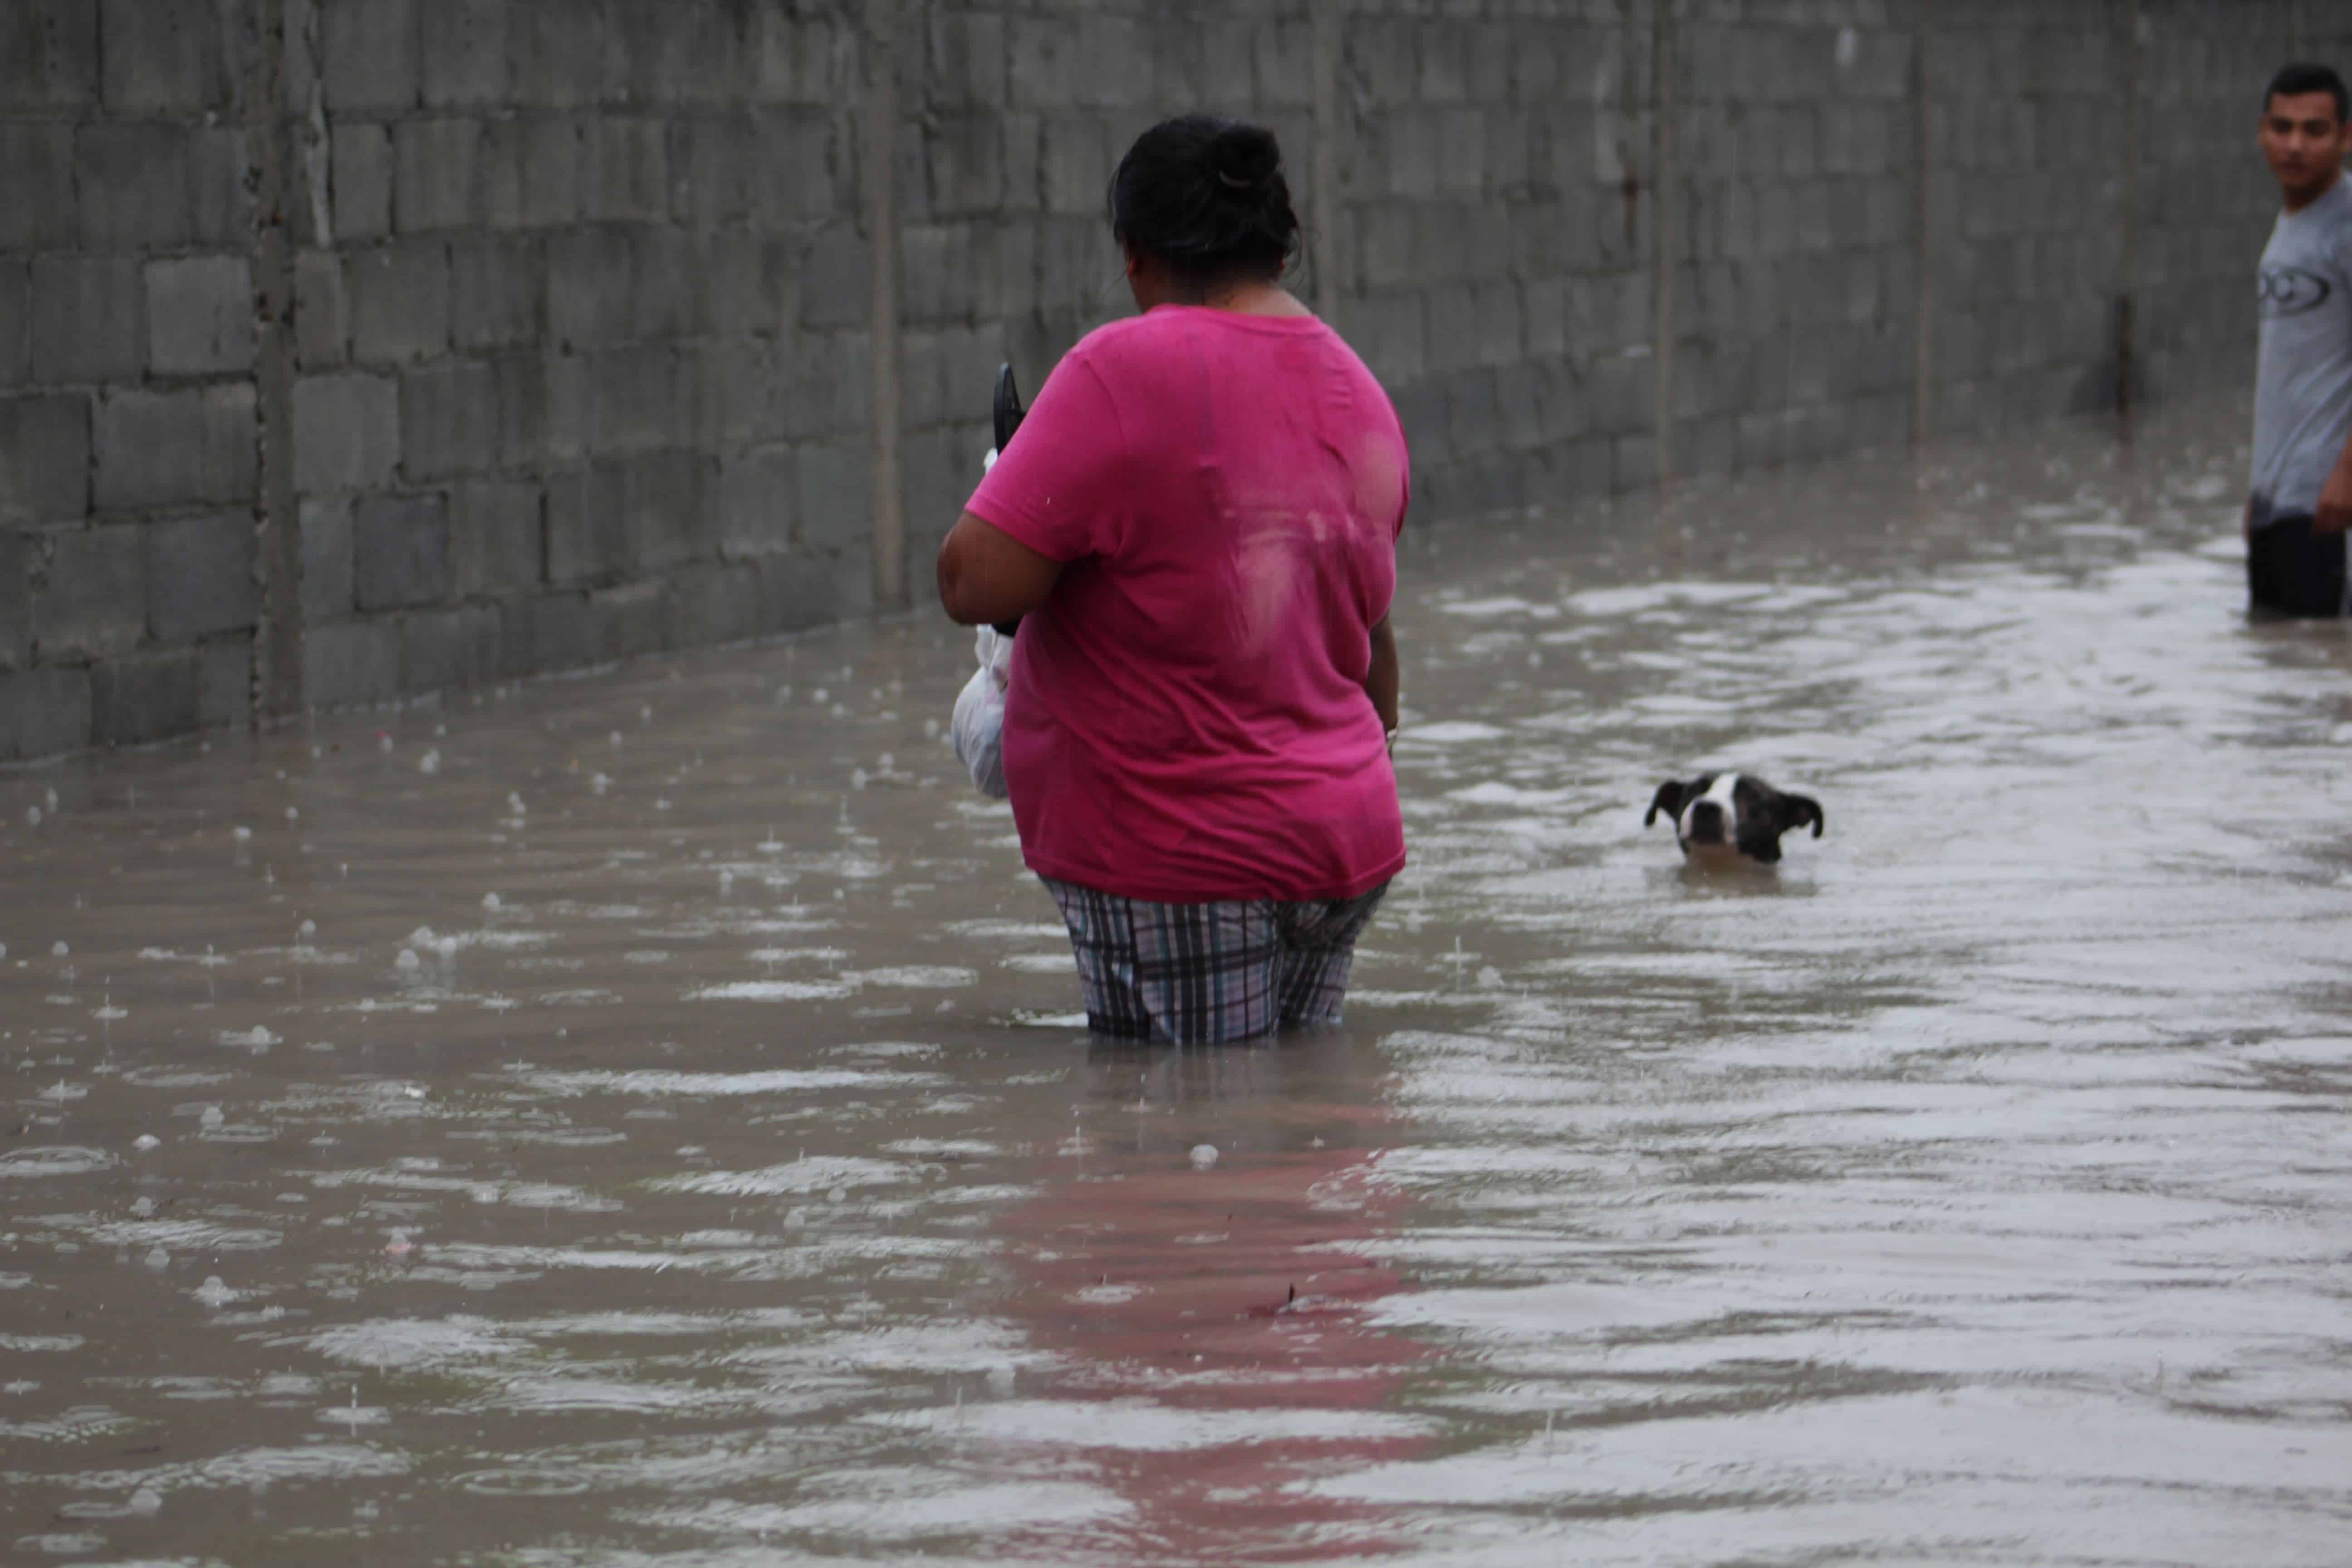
(2303, 384)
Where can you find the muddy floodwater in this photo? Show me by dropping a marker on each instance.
(640, 1119)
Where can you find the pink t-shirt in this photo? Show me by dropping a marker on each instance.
(1187, 719)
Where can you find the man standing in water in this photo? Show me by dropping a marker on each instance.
(2300, 500)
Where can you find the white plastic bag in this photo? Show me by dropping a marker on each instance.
(978, 725)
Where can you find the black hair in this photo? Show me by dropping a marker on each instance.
(2309, 76)
(1207, 196)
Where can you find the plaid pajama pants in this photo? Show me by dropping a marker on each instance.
(1208, 973)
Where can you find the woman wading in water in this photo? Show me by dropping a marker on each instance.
(1197, 529)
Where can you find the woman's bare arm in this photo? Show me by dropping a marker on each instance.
(1381, 680)
(986, 575)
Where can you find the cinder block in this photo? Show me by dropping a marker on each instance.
(37, 169)
(633, 619)
(666, 294)
(164, 56)
(1043, 51)
(964, 166)
(939, 477)
(86, 319)
(1004, 269)
(638, 400)
(1076, 161)
(350, 663)
(199, 315)
(532, 176)
(626, 176)
(936, 285)
(756, 494)
(199, 573)
(138, 701)
(836, 279)
(851, 356)
(361, 157)
(833, 495)
(400, 552)
(327, 592)
(793, 175)
(555, 631)
(714, 604)
(746, 280)
(1519, 407)
(438, 176)
(494, 293)
(853, 580)
(16, 321)
(448, 421)
(399, 302)
(220, 210)
(794, 59)
(134, 185)
(667, 505)
(48, 55)
(346, 432)
(558, 63)
(495, 538)
(232, 454)
(463, 56)
(225, 683)
(796, 592)
(43, 712)
(45, 445)
(1024, 161)
(321, 315)
(151, 450)
(964, 57)
(733, 395)
(1501, 337)
(1389, 333)
(522, 393)
(712, 160)
(443, 649)
(371, 54)
(17, 557)
(587, 530)
(1454, 337)
(92, 603)
(1471, 413)
(589, 289)
(1634, 463)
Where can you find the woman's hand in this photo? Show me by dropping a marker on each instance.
(987, 576)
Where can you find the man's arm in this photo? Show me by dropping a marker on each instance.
(986, 575)
(1380, 679)
(2334, 512)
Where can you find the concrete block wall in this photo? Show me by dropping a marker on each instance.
(577, 329)
(582, 356)
(128, 433)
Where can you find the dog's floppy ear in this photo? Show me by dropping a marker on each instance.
(1795, 811)
(1669, 799)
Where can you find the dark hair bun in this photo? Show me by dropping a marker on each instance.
(1207, 196)
(1245, 156)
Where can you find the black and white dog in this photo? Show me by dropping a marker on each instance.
(1722, 817)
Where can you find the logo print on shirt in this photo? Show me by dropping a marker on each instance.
(2291, 292)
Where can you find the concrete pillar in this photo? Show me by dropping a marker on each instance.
(278, 555)
(1665, 226)
(879, 193)
(1923, 225)
(1323, 200)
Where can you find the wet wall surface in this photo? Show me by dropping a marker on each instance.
(642, 1120)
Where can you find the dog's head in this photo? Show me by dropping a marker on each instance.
(1722, 814)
